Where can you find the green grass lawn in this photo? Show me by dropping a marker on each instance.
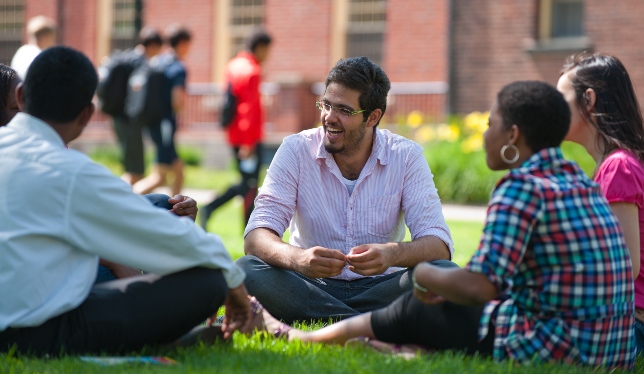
(268, 355)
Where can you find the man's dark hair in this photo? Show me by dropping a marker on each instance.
(150, 36)
(177, 34)
(256, 38)
(362, 75)
(59, 84)
(7, 77)
(538, 109)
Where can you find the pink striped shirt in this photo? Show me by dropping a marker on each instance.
(304, 187)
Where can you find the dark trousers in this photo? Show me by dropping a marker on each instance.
(246, 188)
(445, 326)
(130, 140)
(125, 315)
(290, 296)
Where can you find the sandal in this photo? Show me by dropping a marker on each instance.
(280, 330)
(406, 351)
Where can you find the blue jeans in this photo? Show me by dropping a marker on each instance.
(157, 199)
(290, 296)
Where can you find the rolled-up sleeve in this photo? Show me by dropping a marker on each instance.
(275, 203)
(106, 218)
(420, 201)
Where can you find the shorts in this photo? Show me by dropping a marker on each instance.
(162, 135)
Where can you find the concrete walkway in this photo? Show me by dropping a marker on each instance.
(450, 211)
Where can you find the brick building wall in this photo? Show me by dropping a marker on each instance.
(301, 40)
(495, 43)
(416, 40)
(617, 28)
(198, 17)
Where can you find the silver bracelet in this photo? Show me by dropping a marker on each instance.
(413, 281)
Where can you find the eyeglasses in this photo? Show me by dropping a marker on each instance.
(342, 112)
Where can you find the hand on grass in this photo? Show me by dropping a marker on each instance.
(183, 206)
(320, 262)
(238, 313)
(371, 259)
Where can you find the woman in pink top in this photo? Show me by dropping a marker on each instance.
(607, 121)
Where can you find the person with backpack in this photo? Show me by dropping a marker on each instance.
(242, 118)
(112, 92)
(163, 91)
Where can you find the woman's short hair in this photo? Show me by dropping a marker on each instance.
(540, 112)
(617, 115)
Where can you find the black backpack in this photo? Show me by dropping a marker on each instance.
(229, 109)
(112, 90)
(146, 100)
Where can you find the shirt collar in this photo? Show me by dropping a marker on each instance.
(378, 147)
(546, 158)
(25, 123)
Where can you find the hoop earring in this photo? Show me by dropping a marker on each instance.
(516, 154)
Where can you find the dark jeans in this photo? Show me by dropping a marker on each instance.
(290, 296)
(126, 314)
(246, 188)
(445, 326)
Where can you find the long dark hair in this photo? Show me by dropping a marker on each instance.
(7, 76)
(617, 116)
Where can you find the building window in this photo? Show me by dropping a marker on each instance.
(126, 23)
(12, 13)
(561, 19)
(567, 18)
(245, 15)
(366, 29)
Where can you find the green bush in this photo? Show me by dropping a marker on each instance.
(106, 155)
(464, 178)
(460, 177)
(190, 155)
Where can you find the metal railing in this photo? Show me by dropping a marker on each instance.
(200, 117)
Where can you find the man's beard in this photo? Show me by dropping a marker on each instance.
(352, 142)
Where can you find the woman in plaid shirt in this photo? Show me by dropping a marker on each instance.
(551, 280)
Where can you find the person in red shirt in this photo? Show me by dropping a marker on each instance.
(245, 134)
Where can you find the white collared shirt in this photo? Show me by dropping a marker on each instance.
(60, 211)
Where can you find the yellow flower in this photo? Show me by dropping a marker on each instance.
(415, 119)
(473, 143)
(446, 132)
(476, 121)
(425, 134)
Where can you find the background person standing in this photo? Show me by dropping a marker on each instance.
(41, 34)
(245, 133)
(112, 91)
(163, 133)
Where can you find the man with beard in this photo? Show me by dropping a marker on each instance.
(344, 189)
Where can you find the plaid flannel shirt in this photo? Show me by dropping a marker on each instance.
(553, 247)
